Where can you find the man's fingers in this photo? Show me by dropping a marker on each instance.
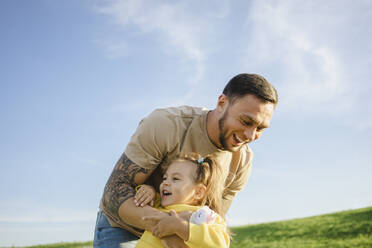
(154, 231)
(173, 213)
(165, 243)
(185, 215)
(157, 232)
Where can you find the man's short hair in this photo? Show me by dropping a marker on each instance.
(254, 84)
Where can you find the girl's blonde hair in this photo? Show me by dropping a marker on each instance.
(209, 174)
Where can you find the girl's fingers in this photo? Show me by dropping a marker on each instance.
(143, 200)
(137, 199)
(140, 201)
(143, 197)
(146, 200)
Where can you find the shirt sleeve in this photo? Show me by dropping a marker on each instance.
(209, 235)
(154, 137)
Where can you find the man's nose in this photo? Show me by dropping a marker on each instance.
(250, 134)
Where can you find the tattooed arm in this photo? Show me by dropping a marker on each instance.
(119, 192)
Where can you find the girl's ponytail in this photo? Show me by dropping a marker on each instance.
(209, 173)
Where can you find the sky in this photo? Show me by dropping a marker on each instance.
(76, 77)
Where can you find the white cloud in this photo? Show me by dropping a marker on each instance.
(171, 23)
(184, 29)
(304, 48)
(365, 124)
(115, 50)
(300, 44)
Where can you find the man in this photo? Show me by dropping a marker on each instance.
(244, 110)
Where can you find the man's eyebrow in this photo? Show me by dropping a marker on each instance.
(254, 121)
(248, 118)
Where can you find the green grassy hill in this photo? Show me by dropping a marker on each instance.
(344, 229)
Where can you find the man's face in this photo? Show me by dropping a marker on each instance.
(242, 121)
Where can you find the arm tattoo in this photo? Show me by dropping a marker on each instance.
(121, 184)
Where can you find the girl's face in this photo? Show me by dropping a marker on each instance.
(178, 186)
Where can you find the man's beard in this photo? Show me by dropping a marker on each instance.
(223, 131)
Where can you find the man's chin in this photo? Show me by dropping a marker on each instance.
(233, 148)
(230, 146)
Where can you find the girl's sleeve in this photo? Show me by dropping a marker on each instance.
(209, 235)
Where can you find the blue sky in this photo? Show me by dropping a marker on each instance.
(77, 76)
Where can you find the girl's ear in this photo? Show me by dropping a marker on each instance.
(200, 191)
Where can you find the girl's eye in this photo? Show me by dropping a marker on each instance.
(175, 179)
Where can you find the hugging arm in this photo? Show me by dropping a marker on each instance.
(119, 193)
(118, 198)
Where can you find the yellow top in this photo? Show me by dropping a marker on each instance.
(211, 235)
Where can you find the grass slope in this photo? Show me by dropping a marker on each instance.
(65, 245)
(344, 229)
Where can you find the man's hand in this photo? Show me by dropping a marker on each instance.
(145, 195)
(173, 241)
(153, 219)
(169, 225)
(185, 215)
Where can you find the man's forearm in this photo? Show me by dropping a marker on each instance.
(119, 192)
(132, 215)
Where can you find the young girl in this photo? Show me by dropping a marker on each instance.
(189, 184)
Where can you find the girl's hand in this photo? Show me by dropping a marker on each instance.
(145, 195)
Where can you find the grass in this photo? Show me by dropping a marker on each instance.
(343, 229)
(65, 245)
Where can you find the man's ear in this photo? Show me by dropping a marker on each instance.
(200, 191)
(222, 103)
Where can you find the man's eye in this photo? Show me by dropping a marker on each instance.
(246, 123)
(260, 129)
